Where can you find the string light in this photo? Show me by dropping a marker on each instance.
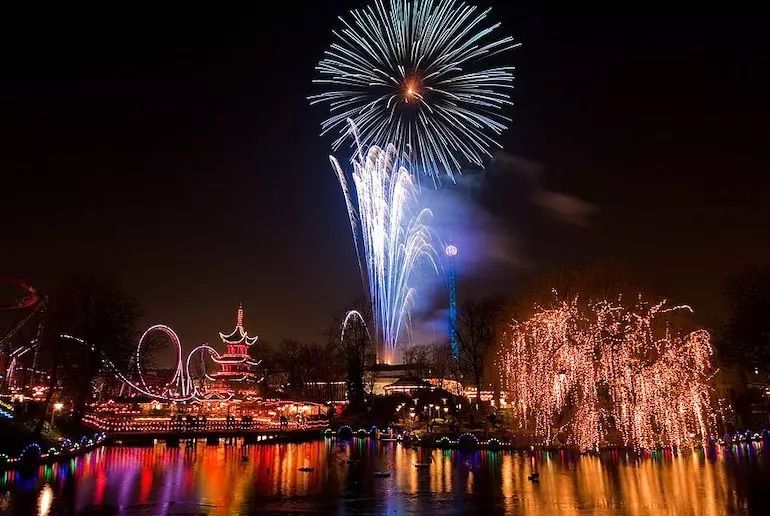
(181, 387)
(602, 373)
(65, 449)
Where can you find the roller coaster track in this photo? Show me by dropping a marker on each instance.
(30, 299)
(181, 387)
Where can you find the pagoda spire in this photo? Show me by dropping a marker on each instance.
(238, 335)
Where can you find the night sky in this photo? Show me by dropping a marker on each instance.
(177, 152)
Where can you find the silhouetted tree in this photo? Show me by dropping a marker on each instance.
(356, 350)
(95, 310)
(290, 353)
(306, 366)
(442, 363)
(322, 369)
(746, 337)
(477, 324)
(418, 359)
(744, 344)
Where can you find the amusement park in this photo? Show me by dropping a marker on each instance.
(205, 392)
(384, 257)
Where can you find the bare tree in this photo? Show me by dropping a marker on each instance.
(746, 336)
(355, 349)
(291, 357)
(321, 370)
(442, 364)
(417, 359)
(96, 311)
(477, 323)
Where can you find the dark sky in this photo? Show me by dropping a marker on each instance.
(177, 151)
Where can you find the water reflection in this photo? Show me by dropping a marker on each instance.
(218, 480)
(44, 501)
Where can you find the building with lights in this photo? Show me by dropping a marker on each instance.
(236, 367)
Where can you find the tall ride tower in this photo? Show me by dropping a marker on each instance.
(451, 252)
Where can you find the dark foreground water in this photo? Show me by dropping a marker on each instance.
(215, 480)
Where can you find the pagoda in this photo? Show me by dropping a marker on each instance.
(235, 363)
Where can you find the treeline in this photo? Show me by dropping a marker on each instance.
(303, 370)
(81, 325)
(104, 318)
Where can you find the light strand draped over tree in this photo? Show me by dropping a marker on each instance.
(591, 374)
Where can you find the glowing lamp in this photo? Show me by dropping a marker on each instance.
(450, 250)
(58, 405)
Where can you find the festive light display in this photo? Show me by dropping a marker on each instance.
(416, 73)
(390, 234)
(450, 251)
(63, 450)
(181, 387)
(221, 417)
(594, 374)
(235, 362)
(353, 314)
(110, 366)
(219, 426)
(177, 382)
(30, 302)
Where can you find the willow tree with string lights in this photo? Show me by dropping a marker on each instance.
(609, 372)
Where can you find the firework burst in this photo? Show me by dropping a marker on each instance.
(416, 73)
(391, 234)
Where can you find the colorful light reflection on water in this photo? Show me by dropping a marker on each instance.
(216, 480)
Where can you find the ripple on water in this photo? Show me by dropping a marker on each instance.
(214, 480)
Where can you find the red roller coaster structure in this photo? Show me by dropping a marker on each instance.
(30, 298)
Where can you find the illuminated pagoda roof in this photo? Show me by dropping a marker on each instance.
(238, 335)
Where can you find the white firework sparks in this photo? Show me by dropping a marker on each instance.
(390, 233)
(415, 74)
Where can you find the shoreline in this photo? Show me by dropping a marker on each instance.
(468, 441)
(32, 455)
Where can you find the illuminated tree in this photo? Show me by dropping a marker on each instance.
(590, 373)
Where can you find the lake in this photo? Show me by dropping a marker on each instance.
(216, 479)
